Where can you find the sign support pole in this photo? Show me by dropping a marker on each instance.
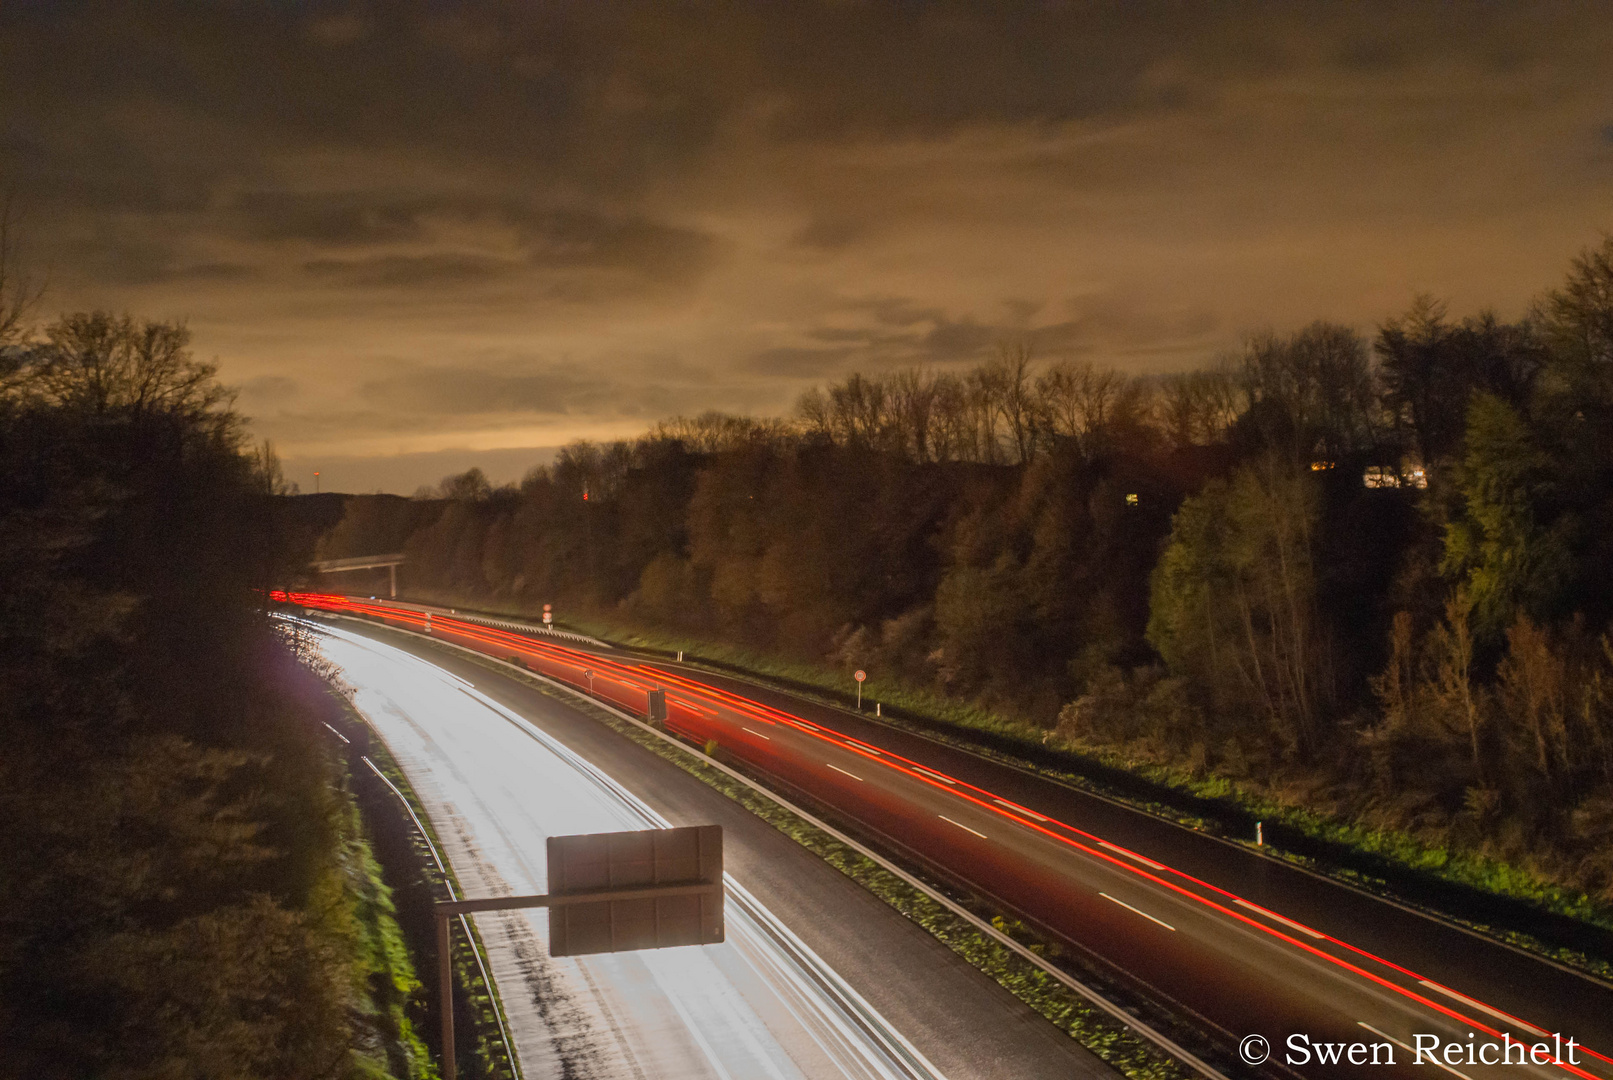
(447, 909)
(445, 972)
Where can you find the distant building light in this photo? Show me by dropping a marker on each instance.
(1408, 475)
(1131, 500)
(1321, 466)
(1380, 476)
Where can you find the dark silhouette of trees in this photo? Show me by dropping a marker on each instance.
(1192, 568)
(1430, 369)
(172, 901)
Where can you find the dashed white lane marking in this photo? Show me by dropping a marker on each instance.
(1479, 1005)
(758, 734)
(1131, 855)
(1139, 911)
(1020, 810)
(1301, 927)
(962, 826)
(838, 769)
(935, 775)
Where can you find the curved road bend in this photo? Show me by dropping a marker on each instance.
(1248, 964)
(817, 978)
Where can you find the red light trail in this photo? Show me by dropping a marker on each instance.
(699, 714)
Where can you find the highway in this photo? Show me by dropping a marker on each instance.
(816, 977)
(1239, 964)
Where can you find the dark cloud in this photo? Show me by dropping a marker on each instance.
(798, 363)
(1106, 328)
(477, 391)
(337, 219)
(135, 258)
(960, 339)
(578, 239)
(412, 271)
(896, 311)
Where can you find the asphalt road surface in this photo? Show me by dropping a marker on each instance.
(1284, 956)
(816, 979)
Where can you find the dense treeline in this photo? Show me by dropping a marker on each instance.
(1371, 576)
(184, 892)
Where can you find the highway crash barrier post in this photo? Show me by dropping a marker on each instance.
(610, 892)
(656, 712)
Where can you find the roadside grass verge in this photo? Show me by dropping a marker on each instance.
(385, 981)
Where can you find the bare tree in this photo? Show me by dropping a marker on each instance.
(1198, 407)
(1087, 403)
(912, 409)
(952, 431)
(18, 294)
(1313, 392)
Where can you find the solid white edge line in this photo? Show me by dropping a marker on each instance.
(1124, 1018)
(1117, 849)
(758, 734)
(1139, 911)
(838, 769)
(1497, 1013)
(962, 826)
(1409, 1050)
(1301, 927)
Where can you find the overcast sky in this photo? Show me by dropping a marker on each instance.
(422, 235)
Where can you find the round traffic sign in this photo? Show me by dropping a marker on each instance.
(860, 675)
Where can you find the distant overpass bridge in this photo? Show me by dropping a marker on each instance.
(365, 562)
